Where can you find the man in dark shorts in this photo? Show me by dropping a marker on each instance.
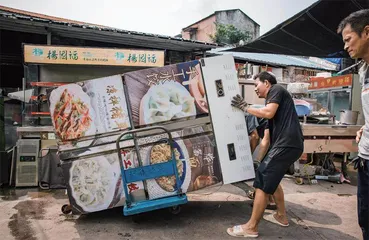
(258, 131)
(286, 146)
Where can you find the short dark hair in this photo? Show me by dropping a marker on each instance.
(357, 20)
(266, 76)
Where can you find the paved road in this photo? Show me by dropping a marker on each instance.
(322, 211)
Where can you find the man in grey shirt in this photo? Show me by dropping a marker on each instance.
(355, 34)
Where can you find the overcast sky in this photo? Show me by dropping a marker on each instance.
(165, 17)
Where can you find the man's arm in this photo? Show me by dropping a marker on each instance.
(267, 112)
(359, 133)
(263, 146)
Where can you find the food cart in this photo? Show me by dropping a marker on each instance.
(47, 67)
(191, 100)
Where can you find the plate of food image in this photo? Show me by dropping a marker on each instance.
(93, 183)
(165, 102)
(71, 112)
(161, 153)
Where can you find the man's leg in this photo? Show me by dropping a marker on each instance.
(281, 214)
(260, 203)
(363, 199)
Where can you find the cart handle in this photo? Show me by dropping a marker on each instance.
(143, 130)
(170, 142)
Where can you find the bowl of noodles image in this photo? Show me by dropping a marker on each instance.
(161, 153)
(71, 112)
(165, 102)
(93, 182)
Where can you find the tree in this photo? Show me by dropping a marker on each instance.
(229, 34)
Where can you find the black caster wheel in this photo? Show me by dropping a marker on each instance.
(137, 218)
(175, 210)
(66, 209)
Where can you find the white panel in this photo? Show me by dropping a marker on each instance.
(229, 123)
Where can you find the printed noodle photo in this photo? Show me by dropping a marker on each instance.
(71, 117)
(162, 153)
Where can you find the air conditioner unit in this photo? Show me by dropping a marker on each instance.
(27, 162)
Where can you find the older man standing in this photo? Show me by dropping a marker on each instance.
(355, 34)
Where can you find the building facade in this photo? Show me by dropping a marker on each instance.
(203, 30)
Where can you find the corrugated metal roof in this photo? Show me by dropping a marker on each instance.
(14, 19)
(274, 59)
(311, 32)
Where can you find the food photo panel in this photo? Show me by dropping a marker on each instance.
(88, 108)
(168, 93)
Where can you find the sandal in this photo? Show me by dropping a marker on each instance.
(237, 231)
(272, 219)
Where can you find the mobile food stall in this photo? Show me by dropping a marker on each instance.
(47, 67)
(191, 100)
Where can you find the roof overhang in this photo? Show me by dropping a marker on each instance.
(21, 23)
(311, 32)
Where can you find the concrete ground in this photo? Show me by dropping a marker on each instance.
(321, 211)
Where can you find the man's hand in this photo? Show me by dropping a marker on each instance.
(239, 102)
(358, 134)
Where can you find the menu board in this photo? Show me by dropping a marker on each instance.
(89, 108)
(168, 93)
(94, 182)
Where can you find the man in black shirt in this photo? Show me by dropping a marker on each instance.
(286, 146)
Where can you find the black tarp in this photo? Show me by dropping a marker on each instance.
(311, 32)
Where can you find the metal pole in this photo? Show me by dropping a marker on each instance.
(348, 68)
(2, 124)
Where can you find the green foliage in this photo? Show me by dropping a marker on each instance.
(229, 34)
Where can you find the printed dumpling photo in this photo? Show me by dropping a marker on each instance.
(93, 183)
(166, 101)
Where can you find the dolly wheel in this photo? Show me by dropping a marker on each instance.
(299, 181)
(66, 209)
(138, 218)
(175, 210)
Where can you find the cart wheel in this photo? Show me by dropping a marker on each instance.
(299, 180)
(137, 218)
(66, 209)
(175, 210)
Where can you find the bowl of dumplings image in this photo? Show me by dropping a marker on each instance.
(165, 102)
